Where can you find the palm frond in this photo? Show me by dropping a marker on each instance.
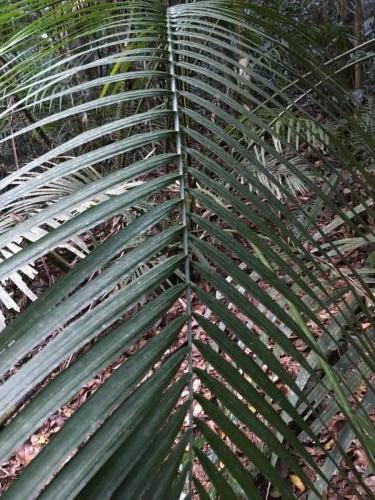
(240, 337)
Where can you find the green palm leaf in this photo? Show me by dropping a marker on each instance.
(192, 314)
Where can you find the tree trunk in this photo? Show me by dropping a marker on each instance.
(358, 31)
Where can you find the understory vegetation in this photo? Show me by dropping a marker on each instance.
(187, 249)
